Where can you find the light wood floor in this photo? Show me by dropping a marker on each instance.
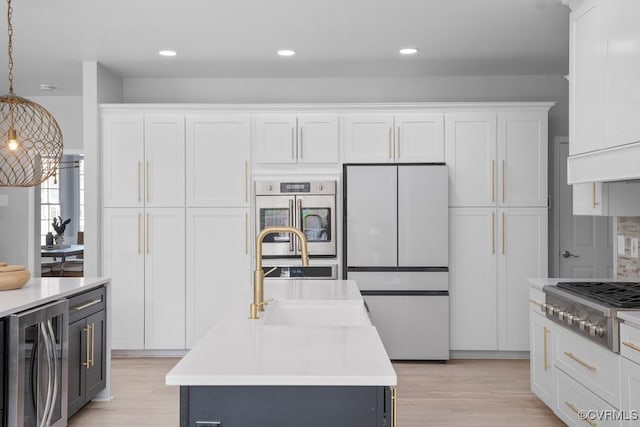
(479, 393)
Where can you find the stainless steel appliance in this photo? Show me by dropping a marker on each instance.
(396, 247)
(589, 308)
(38, 356)
(316, 272)
(307, 205)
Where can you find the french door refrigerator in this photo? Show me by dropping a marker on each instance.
(396, 248)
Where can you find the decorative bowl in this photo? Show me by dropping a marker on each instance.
(13, 276)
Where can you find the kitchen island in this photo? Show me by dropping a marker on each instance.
(313, 359)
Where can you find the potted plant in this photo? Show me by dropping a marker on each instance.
(59, 226)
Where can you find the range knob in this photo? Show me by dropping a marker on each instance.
(562, 315)
(571, 320)
(544, 307)
(596, 331)
(551, 309)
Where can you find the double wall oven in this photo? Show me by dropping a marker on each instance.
(307, 205)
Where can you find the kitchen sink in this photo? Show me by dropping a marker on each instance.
(316, 315)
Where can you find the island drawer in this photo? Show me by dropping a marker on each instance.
(87, 303)
(630, 342)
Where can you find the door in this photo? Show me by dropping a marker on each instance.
(318, 138)
(419, 138)
(218, 153)
(423, 216)
(316, 218)
(276, 138)
(372, 216)
(276, 211)
(470, 152)
(218, 266)
(584, 242)
(368, 138)
(164, 160)
(472, 273)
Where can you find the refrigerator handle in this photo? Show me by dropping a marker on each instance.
(300, 224)
(291, 224)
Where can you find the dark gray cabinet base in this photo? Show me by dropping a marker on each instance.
(285, 406)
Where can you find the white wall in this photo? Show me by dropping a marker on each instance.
(67, 110)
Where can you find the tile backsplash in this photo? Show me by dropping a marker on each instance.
(628, 265)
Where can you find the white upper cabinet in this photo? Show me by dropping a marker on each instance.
(522, 159)
(218, 148)
(293, 138)
(470, 153)
(388, 138)
(143, 160)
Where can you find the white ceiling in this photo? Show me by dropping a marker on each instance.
(239, 39)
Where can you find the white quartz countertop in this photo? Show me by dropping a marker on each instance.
(239, 351)
(40, 291)
(630, 317)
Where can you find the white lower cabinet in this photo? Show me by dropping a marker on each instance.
(541, 367)
(630, 374)
(144, 256)
(218, 266)
(492, 252)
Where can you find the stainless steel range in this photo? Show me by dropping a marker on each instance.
(589, 308)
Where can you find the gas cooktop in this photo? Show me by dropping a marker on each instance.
(623, 295)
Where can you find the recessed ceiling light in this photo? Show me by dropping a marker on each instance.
(167, 53)
(409, 51)
(286, 52)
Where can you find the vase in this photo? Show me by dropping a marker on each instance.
(59, 238)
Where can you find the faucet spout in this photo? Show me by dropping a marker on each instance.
(258, 282)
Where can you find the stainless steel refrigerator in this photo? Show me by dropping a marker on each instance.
(396, 248)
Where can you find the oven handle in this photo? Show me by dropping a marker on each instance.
(47, 405)
(54, 357)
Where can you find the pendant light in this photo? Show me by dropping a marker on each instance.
(30, 138)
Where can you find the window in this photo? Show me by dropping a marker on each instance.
(49, 206)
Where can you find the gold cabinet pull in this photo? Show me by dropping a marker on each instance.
(631, 345)
(503, 231)
(504, 181)
(580, 361)
(390, 144)
(398, 143)
(593, 196)
(577, 411)
(147, 183)
(87, 348)
(493, 233)
(301, 146)
(93, 344)
(139, 229)
(87, 305)
(246, 181)
(139, 168)
(538, 303)
(546, 346)
(246, 233)
(147, 234)
(293, 144)
(493, 180)
(394, 403)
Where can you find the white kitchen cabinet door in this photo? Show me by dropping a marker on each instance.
(369, 138)
(472, 275)
(123, 262)
(587, 77)
(218, 266)
(470, 153)
(164, 290)
(122, 160)
(589, 199)
(276, 138)
(372, 215)
(522, 158)
(630, 374)
(541, 368)
(622, 75)
(522, 253)
(318, 138)
(419, 138)
(218, 148)
(164, 160)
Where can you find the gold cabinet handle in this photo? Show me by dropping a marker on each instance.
(93, 343)
(546, 347)
(390, 144)
(503, 231)
(493, 233)
(593, 192)
(293, 144)
(538, 303)
(139, 230)
(580, 361)
(246, 233)
(398, 143)
(246, 181)
(301, 146)
(146, 231)
(493, 180)
(394, 403)
(577, 411)
(139, 168)
(87, 305)
(87, 348)
(504, 181)
(631, 345)
(147, 183)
